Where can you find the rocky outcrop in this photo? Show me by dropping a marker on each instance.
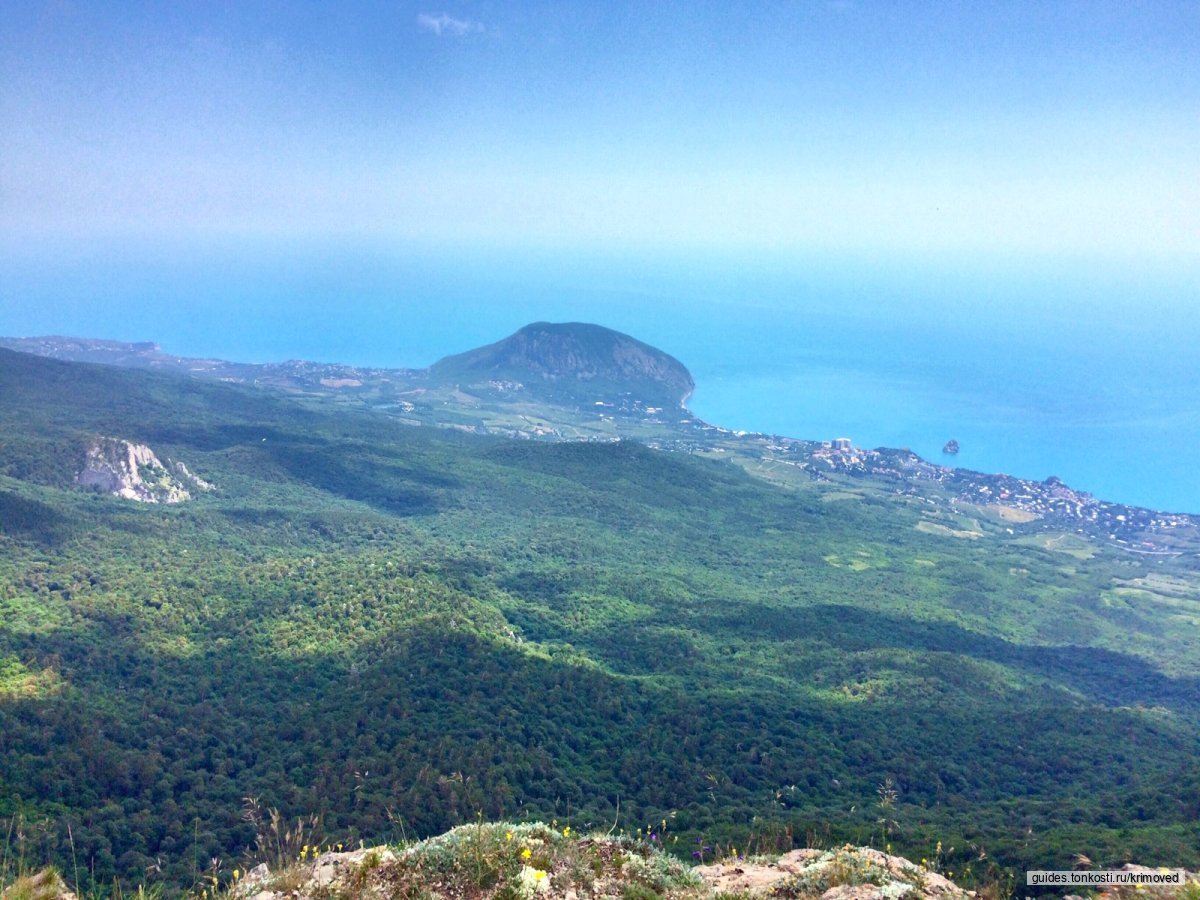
(532, 861)
(133, 471)
(44, 885)
(849, 873)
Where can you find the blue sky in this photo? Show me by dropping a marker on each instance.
(935, 129)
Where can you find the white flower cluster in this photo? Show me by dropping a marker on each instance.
(533, 881)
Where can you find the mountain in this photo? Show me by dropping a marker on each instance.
(547, 382)
(577, 362)
(395, 627)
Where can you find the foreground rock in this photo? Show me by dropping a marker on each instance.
(44, 885)
(536, 861)
(849, 873)
(531, 861)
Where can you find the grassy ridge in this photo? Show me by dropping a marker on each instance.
(383, 624)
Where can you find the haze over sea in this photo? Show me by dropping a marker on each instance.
(1035, 373)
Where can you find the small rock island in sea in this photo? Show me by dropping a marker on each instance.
(951, 447)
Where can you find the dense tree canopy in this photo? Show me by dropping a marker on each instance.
(402, 629)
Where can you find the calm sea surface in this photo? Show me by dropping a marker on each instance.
(1035, 376)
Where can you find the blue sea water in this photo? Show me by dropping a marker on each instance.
(1093, 378)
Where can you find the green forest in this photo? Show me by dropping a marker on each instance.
(399, 629)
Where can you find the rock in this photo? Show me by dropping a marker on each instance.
(796, 860)
(194, 481)
(133, 471)
(855, 892)
(863, 873)
(951, 447)
(446, 867)
(44, 885)
(748, 878)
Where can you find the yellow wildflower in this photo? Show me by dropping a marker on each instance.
(526, 853)
(508, 835)
(538, 874)
(236, 874)
(567, 831)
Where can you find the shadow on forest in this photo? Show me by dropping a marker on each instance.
(32, 520)
(1097, 673)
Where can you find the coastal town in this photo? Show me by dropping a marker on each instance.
(1024, 504)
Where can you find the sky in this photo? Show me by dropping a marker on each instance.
(1020, 132)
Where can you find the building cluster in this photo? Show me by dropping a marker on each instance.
(1045, 504)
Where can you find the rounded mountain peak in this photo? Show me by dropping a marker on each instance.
(575, 361)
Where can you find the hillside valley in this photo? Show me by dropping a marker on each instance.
(408, 599)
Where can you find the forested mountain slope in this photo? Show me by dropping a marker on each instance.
(384, 624)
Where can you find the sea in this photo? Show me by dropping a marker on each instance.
(1068, 368)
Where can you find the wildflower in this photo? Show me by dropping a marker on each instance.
(526, 853)
(508, 835)
(567, 831)
(533, 881)
(236, 874)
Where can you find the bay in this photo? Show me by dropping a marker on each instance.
(1032, 375)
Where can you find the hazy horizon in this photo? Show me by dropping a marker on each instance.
(1014, 130)
(928, 195)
